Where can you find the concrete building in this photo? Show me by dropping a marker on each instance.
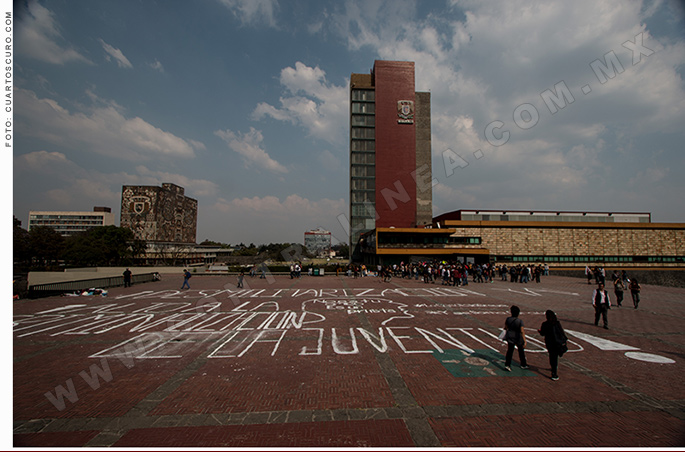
(68, 223)
(318, 242)
(390, 150)
(159, 214)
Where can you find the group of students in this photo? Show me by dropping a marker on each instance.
(620, 281)
(515, 337)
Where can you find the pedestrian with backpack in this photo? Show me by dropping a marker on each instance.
(555, 341)
(186, 277)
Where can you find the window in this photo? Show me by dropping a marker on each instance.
(363, 133)
(363, 171)
(363, 108)
(361, 145)
(363, 158)
(363, 95)
(364, 184)
(364, 121)
(363, 196)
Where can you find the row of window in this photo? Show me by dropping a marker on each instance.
(363, 210)
(364, 184)
(67, 223)
(363, 133)
(589, 259)
(363, 121)
(363, 145)
(66, 217)
(363, 171)
(363, 108)
(363, 196)
(547, 218)
(363, 158)
(408, 239)
(363, 95)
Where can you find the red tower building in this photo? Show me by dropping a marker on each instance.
(390, 150)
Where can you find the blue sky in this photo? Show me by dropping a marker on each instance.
(245, 104)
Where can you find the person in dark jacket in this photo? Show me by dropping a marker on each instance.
(555, 341)
(127, 278)
(515, 337)
(601, 303)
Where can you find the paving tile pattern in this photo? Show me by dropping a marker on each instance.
(358, 373)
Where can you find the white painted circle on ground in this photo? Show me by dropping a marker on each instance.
(648, 357)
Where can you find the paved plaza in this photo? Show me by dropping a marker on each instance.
(342, 362)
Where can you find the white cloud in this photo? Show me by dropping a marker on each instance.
(290, 206)
(249, 146)
(311, 102)
(157, 65)
(38, 36)
(75, 186)
(251, 12)
(103, 130)
(481, 62)
(117, 55)
(194, 188)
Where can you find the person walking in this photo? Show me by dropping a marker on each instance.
(241, 276)
(555, 341)
(127, 278)
(601, 303)
(515, 337)
(635, 292)
(186, 277)
(618, 290)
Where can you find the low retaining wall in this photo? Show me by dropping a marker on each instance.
(663, 277)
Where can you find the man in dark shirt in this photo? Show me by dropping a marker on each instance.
(127, 278)
(515, 337)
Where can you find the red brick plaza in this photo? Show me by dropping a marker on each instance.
(343, 362)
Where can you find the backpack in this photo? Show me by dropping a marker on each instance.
(560, 338)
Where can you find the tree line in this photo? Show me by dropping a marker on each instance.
(44, 248)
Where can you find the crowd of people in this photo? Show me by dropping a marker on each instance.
(620, 281)
(452, 273)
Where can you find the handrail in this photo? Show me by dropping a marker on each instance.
(57, 288)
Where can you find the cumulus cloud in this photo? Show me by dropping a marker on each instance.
(251, 12)
(38, 36)
(70, 185)
(103, 130)
(311, 102)
(249, 146)
(116, 54)
(481, 63)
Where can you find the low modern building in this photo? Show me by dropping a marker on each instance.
(68, 223)
(559, 239)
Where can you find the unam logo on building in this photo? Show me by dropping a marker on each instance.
(405, 111)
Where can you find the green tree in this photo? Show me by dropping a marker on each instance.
(341, 250)
(46, 245)
(102, 246)
(21, 245)
(215, 244)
